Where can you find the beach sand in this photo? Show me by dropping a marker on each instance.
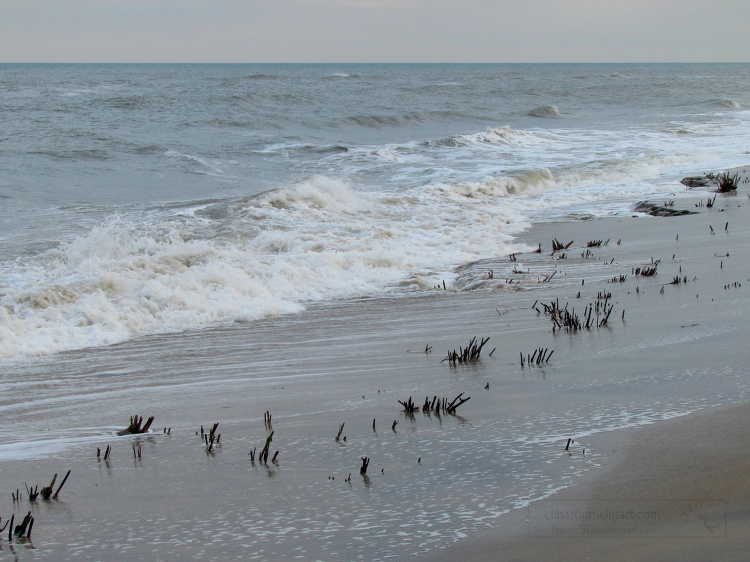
(694, 472)
(689, 476)
(446, 486)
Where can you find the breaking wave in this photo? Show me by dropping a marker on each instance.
(726, 103)
(375, 121)
(545, 111)
(266, 255)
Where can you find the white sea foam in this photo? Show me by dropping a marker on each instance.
(387, 155)
(440, 204)
(317, 239)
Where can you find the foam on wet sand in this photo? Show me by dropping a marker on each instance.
(663, 355)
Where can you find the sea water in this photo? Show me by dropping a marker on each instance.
(141, 199)
(207, 242)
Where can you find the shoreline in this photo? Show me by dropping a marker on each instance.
(330, 364)
(690, 469)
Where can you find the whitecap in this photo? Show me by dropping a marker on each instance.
(550, 111)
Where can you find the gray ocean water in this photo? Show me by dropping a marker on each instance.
(206, 242)
(140, 199)
(147, 198)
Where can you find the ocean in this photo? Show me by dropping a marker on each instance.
(191, 241)
(141, 199)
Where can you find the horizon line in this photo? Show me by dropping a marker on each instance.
(374, 63)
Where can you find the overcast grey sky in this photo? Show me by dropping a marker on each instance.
(375, 31)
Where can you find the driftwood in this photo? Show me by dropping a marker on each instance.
(660, 211)
(211, 437)
(561, 318)
(467, 355)
(596, 243)
(25, 527)
(409, 406)
(136, 426)
(22, 530)
(263, 457)
(365, 464)
(557, 245)
(539, 357)
(34, 492)
(441, 405)
(47, 492)
(647, 271)
(726, 182)
(696, 181)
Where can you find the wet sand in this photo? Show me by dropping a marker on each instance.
(690, 474)
(668, 350)
(694, 472)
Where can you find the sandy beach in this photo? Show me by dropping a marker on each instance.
(690, 471)
(654, 401)
(674, 490)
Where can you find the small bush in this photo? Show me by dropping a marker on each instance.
(726, 183)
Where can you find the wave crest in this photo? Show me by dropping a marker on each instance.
(530, 182)
(726, 103)
(545, 111)
(318, 192)
(376, 121)
(266, 255)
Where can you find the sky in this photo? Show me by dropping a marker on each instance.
(374, 31)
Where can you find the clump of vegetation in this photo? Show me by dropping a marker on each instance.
(727, 182)
(468, 354)
(596, 243)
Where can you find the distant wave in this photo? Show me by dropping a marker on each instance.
(680, 130)
(213, 168)
(260, 76)
(492, 137)
(304, 149)
(495, 136)
(531, 181)
(91, 154)
(343, 76)
(318, 193)
(374, 121)
(127, 102)
(388, 155)
(239, 98)
(545, 111)
(726, 103)
(327, 149)
(151, 150)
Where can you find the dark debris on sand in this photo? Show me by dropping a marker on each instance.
(659, 210)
